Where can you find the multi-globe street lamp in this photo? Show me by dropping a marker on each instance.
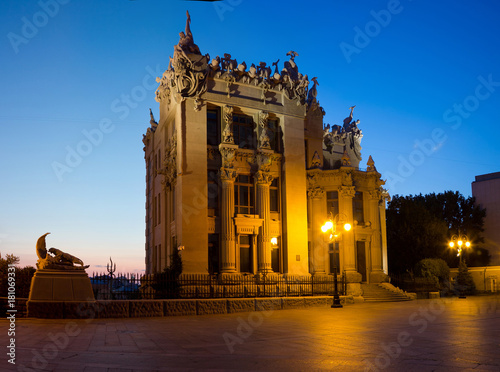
(331, 227)
(459, 242)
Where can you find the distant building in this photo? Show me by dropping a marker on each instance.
(242, 174)
(486, 190)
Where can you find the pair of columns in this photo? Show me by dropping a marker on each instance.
(228, 238)
(318, 254)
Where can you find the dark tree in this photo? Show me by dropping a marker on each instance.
(413, 233)
(464, 284)
(420, 226)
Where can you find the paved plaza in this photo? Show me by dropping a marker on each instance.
(422, 335)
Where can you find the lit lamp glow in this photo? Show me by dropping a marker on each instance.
(274, 240)
(330, 226)
(459, 241)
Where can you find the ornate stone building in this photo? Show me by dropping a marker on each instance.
(242, 174)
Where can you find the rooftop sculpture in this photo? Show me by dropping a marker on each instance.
(346, 136)
(56, 259)
(188, 70)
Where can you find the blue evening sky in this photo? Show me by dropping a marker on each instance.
(78, 79)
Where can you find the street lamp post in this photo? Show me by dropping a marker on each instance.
(459, 241)
(330, 227)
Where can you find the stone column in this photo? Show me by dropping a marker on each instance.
(376, 273)
(346, 193)
(227, 176)
(317, 257)
(263, 180)
(228, 246)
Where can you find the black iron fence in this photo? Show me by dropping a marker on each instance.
(164, 285)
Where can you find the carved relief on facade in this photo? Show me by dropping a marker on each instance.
(315, 193)
(263, 177)
(347, 191)
(375, 194)
(316, 160)
(187, 72)
(169, 166)
(346, 178)
(227, 133)
(227, 155)
(264, 161)
(227, 174)
(263, 138)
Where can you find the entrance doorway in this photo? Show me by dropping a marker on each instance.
(246, 254)
(361, 259)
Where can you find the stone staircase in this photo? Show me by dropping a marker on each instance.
(383, 292)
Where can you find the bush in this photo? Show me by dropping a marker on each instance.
(166, 284)
(433, 268)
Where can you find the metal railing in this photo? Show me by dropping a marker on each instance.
(165, 285)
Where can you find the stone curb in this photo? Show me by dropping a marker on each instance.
(160, 308)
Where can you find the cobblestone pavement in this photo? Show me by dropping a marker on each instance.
(422, 335)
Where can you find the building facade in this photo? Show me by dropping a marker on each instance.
(242, 174)
(486, 190)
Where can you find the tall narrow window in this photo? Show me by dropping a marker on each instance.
(357, 207)
(159, 209)
(213, 193)
(274, 196)
(213, 253)
(243, 195)
(332, 202)
(243, 131)
(213, 127)
(154, 211)
(275, 135)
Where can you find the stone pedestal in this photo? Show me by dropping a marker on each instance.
(58, 293)
(378, 277)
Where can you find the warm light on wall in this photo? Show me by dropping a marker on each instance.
(274, 240)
